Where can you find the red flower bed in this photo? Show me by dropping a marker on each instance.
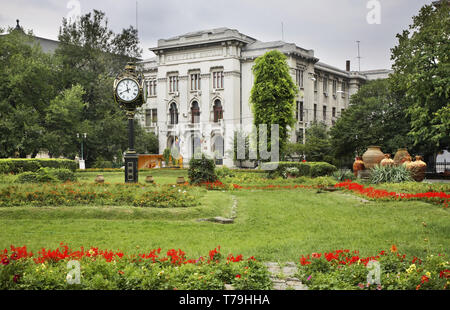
(370, 192)
(175, 257)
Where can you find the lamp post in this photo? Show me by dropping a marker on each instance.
(81, 161)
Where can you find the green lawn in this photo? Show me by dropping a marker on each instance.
(274, 225)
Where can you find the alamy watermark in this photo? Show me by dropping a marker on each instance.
(75, 11)
(74, 274)
(374, 15)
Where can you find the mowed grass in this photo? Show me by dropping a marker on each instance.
(277, 225)
(161, 176)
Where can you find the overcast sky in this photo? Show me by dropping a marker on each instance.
(329, 27)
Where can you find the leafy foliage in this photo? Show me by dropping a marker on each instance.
(375, 117)
(394, 174)
(272, 95)
(201, 170)
(422, 74)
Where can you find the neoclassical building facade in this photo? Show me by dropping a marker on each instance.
(199, 84)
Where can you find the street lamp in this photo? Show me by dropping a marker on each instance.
(81, 161)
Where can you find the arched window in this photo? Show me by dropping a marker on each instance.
(218, 111)
(195, 112)
(173, 111)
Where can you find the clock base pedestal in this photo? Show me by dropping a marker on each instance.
(131, 167)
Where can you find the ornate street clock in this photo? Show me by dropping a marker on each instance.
(130, 93)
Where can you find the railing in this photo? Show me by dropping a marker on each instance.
(439, 167)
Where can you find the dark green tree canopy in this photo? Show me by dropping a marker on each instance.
(422, 74)
(273, 93)
(376, 116)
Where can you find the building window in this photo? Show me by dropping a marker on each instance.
(195, 112)
(173, 111)
(334, 87)
(173, 83)
(218, 111)
(148, 117)
(151, 89)
(315, 112)
(299, 77)
(217, 79)
(343, 88)
(195, 81)
(299, 111)
(333, 114)
(154, 116)
(324, 113)
(151, 117)
(325, 86)
(315, 82)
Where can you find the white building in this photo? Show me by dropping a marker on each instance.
(199, 87)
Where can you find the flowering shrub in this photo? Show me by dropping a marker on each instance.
(370, 192)
(107, 269)
(171, 198)
(70, 194)
(343, 269)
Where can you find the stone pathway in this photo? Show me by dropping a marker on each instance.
(283, 277)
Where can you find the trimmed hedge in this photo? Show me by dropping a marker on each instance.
(18, 165)
(310, 169)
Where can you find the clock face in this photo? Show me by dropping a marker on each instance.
(127, 90)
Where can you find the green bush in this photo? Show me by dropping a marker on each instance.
(43, 175)
(394, 174)
(18, 165)
(102, 163)
(311, 169)
(343, 174)
(201, 170)
(225, 172)
(27, 177)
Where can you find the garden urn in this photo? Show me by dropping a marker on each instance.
(387, 161)
(99, 179)
(149, 179)
(372, 157)
(407, 162)
(180, 180)
(358, 165)
(400, 156)
(418, 169)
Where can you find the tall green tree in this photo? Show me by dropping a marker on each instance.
(273, 93)
(63, 119)
(422, 73)
(318, 144)
(91, 55)
(376, 116)
(28, 82)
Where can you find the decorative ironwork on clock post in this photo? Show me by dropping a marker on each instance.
(130, 93)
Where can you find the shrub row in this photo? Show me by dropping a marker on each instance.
(44, 175)
(311, 169)
(70, 194)
(18, 165)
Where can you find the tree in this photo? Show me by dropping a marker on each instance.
(273, 93)
(376, 116)
(28, 81)
(318, 145)
(63, 119)
(422, 73)
(91, 55)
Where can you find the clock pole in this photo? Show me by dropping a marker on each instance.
(130, 157)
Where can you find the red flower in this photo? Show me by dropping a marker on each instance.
(424, 279)
(444, 274)
(5, 261)
(16, 278)
(238, 276)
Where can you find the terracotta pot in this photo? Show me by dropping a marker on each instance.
(372, 156)
(149, 179)
(358, 165)
(418, 169)
(400, 156)
(387, 161)
(180, 180)
(99, 179)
